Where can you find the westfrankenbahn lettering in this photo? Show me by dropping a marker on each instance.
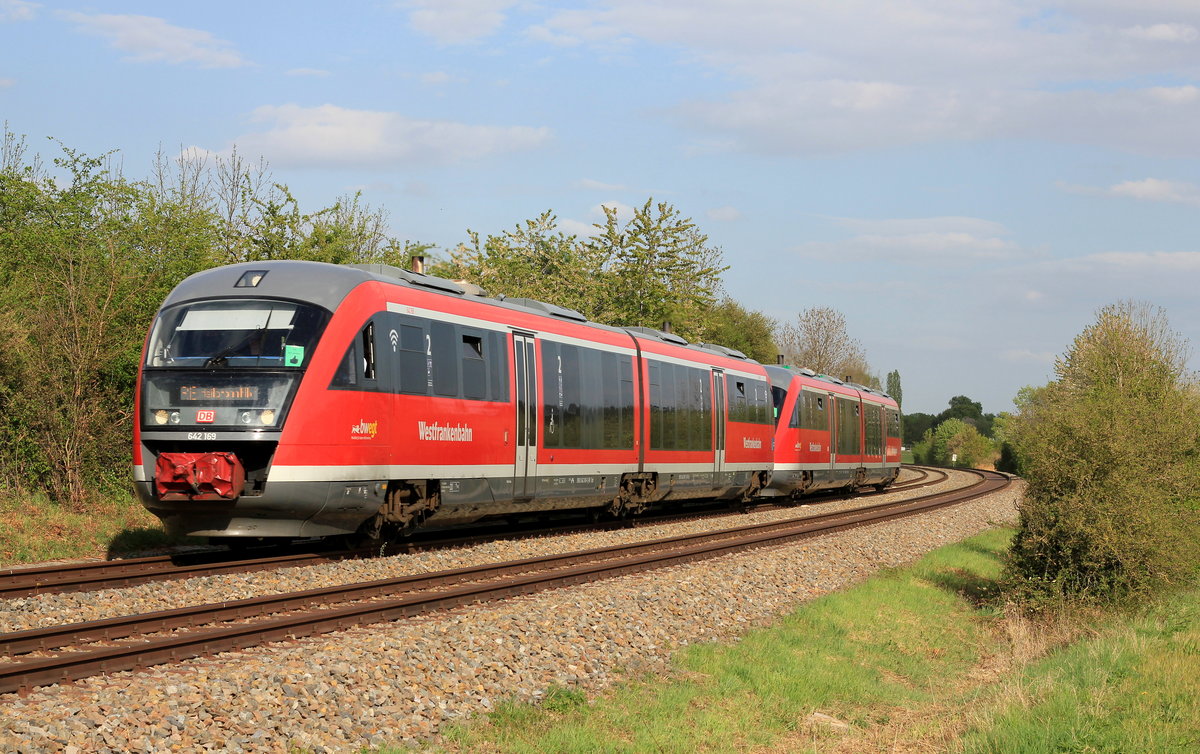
(444, 432)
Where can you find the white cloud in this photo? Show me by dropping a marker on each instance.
(1142, 263)
(1158, 190)
(457, 21)
(314, 72)
(17, 10)
(1146, 189)
(150, 39)
(1174, 32)
(724, 214)
(5, 83)
(831, 77)
(936, 241)
(1174, 95)
(332, 136)
(577, 228)
(196, 154)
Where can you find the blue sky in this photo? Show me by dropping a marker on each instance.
(968, 182)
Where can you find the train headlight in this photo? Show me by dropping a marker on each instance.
(161, 416)
(174, 417)
(246, 417)
(268, 417)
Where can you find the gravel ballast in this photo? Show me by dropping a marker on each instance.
(399, 682)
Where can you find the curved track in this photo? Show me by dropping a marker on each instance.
(255, 621)
(116, 574)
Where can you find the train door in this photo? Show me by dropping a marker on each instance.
(720, 416)
(525, 470)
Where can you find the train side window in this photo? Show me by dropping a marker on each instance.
(416, 369)
(474, 368)
(358, 368)
(552, 397)
(701, 433)
(893, 423)
(444, 351)
(737, 402)
(497, 363)
(670, 408)
(592, 397)
(778, 396)
(347, 373)
(572, 397)
(368, 351)
(626, 402)
(762, 404)
(656, 406)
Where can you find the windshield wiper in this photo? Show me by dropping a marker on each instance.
(222, 357)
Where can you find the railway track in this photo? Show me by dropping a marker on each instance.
(116, 574)
(86, 649)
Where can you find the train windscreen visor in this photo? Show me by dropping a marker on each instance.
(237, 333)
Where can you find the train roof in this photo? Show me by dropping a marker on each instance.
(327, 285)
(781, 377)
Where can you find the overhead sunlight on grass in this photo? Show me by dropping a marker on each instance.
(34, 529)
(917, 659)
(859, 657)
(1134, 687)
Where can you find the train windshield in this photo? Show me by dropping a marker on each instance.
(242, 333)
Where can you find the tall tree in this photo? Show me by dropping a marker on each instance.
(893, 387)
(533, 260)
(819, 340)
(732, 325)
(662, 268)
(655, 268)
(87, 260)
(962, 407)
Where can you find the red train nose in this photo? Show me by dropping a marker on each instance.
(199, 476)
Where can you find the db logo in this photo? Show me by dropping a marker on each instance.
(206, 416)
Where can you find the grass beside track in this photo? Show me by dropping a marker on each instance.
(915, 659)
(33, 529)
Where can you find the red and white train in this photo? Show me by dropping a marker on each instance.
(299, 399)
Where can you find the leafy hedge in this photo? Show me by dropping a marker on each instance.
(1111, 454)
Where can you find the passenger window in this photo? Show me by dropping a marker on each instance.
(416, 367)
(347, 374)
(445, 361)
(474, 372)
(368, 351)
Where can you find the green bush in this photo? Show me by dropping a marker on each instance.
(954, 442)
(1110, 454)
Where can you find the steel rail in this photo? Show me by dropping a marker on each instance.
(533, 574)
(111, 574)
